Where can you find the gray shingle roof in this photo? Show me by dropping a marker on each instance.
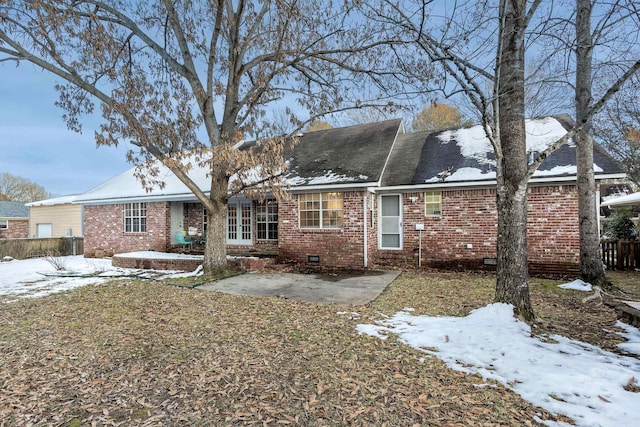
(465, 155)
(13, 210)
(354, 154)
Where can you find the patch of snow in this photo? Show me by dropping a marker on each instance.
(474, 144)
(158, 255)
(36, 277)
(55, 201)
(471, 174)
(577, 285)
(632, 335)
(330, 177)
(565, 376)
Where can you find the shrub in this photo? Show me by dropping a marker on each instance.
(620, 226)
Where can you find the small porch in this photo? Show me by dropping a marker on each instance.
(252, 228)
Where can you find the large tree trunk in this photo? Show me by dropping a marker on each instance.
(215, 251)
(591, 267)
(512, 285)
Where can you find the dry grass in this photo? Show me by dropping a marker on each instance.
(143, 353)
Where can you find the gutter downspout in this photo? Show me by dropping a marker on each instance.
(365, 240)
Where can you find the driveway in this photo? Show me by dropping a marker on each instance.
(355, 289)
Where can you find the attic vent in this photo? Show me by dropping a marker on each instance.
(532, 156)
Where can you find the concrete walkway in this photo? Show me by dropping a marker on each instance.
(321, 288)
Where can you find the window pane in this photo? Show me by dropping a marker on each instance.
(390, 206)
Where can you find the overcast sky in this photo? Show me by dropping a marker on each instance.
(36, 144)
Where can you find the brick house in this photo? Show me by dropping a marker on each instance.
(367, 195)
(14, 220)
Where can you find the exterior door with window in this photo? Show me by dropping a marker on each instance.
(239, 219)
(390, 221)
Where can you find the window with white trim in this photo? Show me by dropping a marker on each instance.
(433, 203)
(4, 224)
(135, 217)
(267, 220)
(320, 210)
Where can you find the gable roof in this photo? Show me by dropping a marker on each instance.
(465, 155)
(13, 210)
(353, 154)
(380, 155)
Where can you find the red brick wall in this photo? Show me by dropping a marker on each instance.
(16, 229)
(469, 217)
(104, 230)
(337, 248)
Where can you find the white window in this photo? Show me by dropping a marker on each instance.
(135, 217)
(267, 220)
(4, 224)
(320, 210)
(433, 203)
(44, 230)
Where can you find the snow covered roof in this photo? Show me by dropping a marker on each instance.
(10, 209)
(126, 187)
(632, 199)
(465, 155)
(55, 201)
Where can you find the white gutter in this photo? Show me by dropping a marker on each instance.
(468, 184)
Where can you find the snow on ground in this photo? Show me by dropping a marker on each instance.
(577, 285)
(36, 277)
(561, 375)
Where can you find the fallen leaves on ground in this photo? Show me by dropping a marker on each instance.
(146, 354)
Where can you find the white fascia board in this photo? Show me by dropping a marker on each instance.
(118, 200)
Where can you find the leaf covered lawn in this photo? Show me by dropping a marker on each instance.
(143, 353)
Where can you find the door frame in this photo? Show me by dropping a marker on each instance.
(239, 203)
(400, 222)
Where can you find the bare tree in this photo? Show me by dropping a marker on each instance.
(603, 37)
(618, 127)
(18, 189)
(184, 81)
(488, 68)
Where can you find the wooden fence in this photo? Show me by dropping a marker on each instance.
(32, 248)
(621, 254)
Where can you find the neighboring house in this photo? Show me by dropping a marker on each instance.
(367, 195)
(57, 217)
(14, 220)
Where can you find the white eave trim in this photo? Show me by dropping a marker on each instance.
(337, 187)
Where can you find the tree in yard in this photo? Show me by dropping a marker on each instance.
(488, 68)
(601, 50)
(618, 127)
(438, 116)
(184, 81)
(18, 189)
(318, 125)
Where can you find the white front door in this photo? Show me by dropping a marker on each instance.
(177, 220)
(43, 230)
(390, 234)
(239, 219)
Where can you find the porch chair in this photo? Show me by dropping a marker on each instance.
(182, 241)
